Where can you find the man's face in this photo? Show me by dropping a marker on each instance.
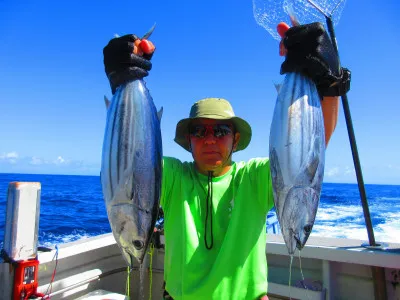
(212, 143)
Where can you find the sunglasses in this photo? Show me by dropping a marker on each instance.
(218, 130)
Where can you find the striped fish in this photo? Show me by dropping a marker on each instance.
(131, 168)
(297, 158)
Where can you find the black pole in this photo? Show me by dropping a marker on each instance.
(359, 175)
(354, 150)
(378, 273)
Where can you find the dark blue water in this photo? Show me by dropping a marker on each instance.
(340, 212)
(72, 207)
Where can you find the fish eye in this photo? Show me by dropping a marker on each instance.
(138, 244)
(307, 228)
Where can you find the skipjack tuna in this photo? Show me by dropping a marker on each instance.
(131, 168)
(297, 158)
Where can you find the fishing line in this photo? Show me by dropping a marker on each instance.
(290, 276)
(50, 286)
(151, 252)
(302, 276)
(128, 280)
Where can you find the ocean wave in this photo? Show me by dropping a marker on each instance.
(388, 198)
(49, 239)
(338, 213)
(388, 232)
(344, 231)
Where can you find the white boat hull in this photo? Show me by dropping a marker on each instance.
(340, 266)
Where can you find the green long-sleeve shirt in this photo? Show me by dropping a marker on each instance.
(235, 267)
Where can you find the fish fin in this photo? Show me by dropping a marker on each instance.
(278, 87)
(314, 162)
(159, 113)
(310, 166)
(278, 184)
(276, 171)
(107, 102)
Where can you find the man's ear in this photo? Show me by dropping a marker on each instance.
(236, 140)
(190, 144)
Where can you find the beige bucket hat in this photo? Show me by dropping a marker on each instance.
(217, 109)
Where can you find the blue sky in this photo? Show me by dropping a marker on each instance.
(52, 112)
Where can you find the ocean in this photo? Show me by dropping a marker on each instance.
(72, 208)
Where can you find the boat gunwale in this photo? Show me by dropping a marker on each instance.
(319, 248)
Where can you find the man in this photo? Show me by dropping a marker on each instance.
(215, 209)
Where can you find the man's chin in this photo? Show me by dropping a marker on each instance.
(210, 165)
(215, 166)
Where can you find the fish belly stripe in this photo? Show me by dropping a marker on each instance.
(130, 153)
(124, 130)
(113, 114)
(128, 127)
(137, 128)
(121, 107)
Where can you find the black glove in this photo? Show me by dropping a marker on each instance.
(121, 65)
(311, 53)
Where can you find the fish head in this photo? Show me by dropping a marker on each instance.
(298, 216)
(131, 235)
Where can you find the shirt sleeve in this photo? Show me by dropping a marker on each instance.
(260, 174)
(171, 171)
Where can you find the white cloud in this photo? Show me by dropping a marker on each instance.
(349, 171)
(332, 172)
(14, 159)
(392, 167)
(11, 162)
(60, 160)
(36, 161)
(340, 174)
(10, 157)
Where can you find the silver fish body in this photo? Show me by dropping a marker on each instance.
(297, 158)
(131, 168)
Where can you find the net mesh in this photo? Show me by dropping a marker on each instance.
(269, 13)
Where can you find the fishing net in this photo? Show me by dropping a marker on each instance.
(269, 13)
